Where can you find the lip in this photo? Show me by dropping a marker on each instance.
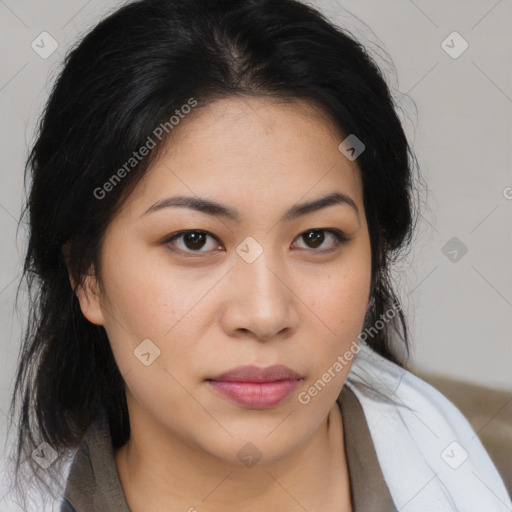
(251, 373)
(255, 387)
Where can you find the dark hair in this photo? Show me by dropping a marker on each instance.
(128, 76)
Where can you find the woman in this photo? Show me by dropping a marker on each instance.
(218, 190)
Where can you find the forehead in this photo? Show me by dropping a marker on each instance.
(252, 151)
(245, 121)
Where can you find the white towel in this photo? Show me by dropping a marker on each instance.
(430, 456)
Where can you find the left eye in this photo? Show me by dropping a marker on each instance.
(316, 237)
(195, 241)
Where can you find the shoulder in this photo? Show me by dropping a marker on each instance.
(430, 456)
(84, 476)
(93, 481)
(66, 506)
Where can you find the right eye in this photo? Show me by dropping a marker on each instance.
(191, 241)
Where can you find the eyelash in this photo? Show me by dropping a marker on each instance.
(339, 237)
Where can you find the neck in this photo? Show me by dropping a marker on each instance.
(158, 473)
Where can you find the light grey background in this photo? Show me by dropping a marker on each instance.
(456, 111)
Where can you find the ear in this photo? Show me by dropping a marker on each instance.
(90, 300)
(88, 294)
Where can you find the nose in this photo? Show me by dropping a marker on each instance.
(261, 301)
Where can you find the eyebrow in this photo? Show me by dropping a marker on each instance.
(218, 210)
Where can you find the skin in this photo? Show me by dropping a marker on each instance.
(208, 311)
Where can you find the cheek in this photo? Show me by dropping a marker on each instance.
(147, 294)
(148, 299)
(341, 296)
(340, 301)
(344, 301)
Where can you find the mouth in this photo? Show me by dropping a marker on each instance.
(254, 387)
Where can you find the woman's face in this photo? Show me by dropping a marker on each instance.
(259, 287)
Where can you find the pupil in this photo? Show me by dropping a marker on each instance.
(315, 237)
(196, 240)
